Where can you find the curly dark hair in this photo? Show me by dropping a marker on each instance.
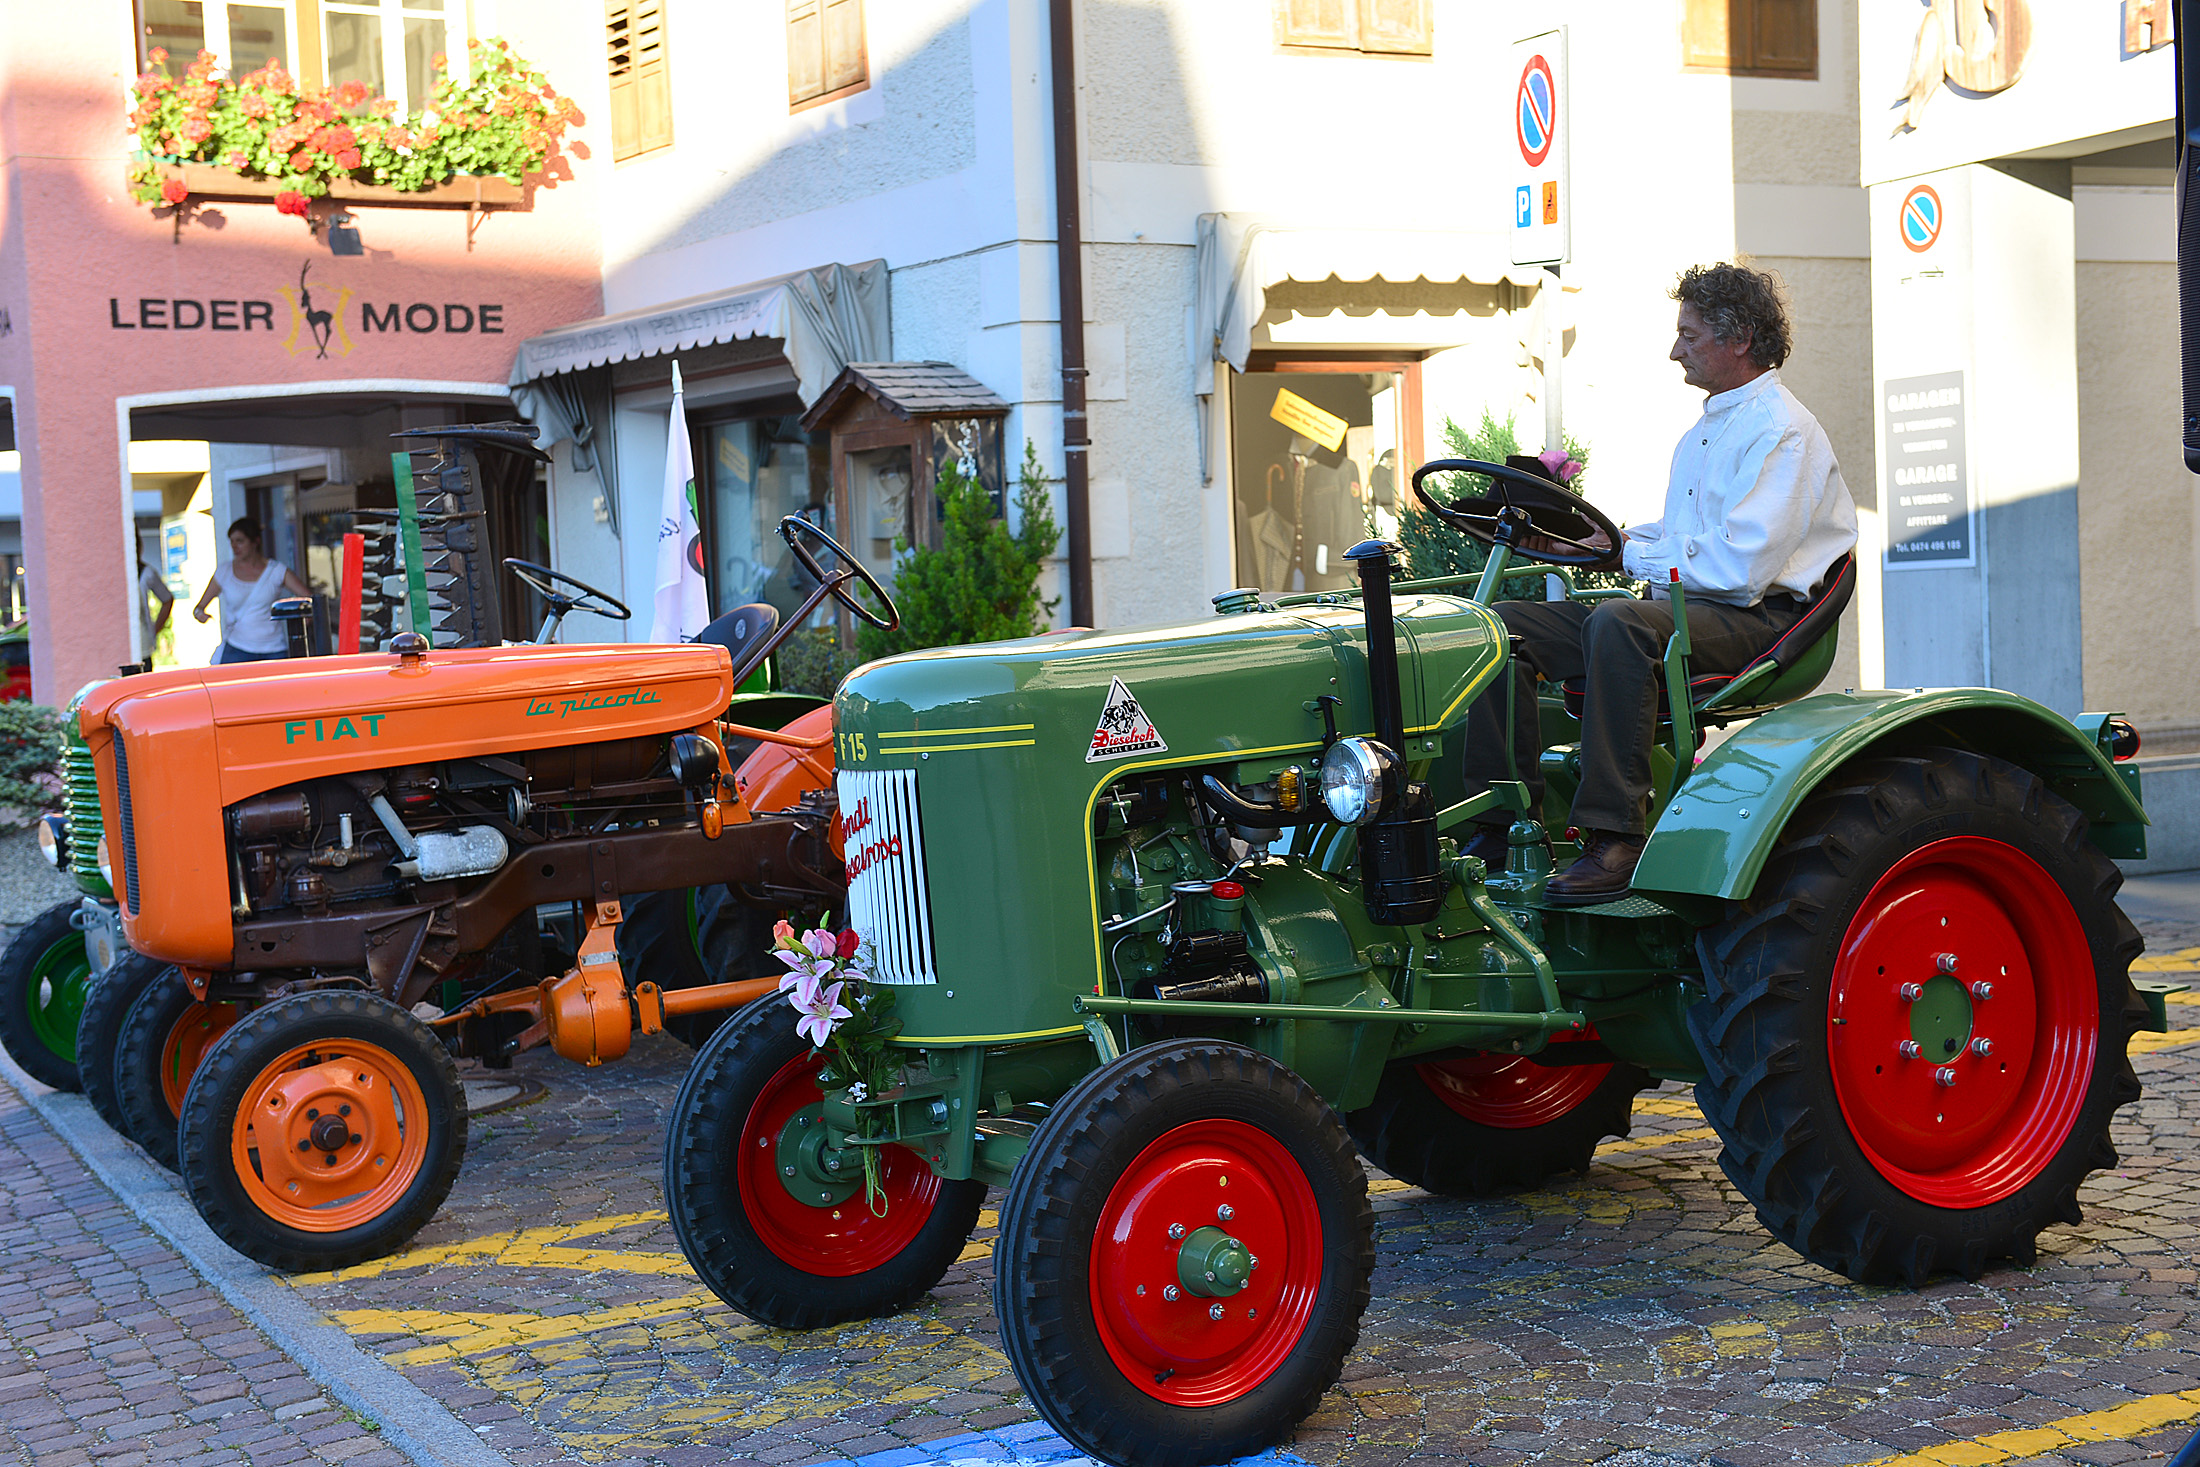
(1736, 302)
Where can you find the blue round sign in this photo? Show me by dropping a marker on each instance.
(1536, 111)
(1920, 218)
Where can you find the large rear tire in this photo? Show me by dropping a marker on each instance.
(1184, 1256)
(99, 1027)
(1916, 1024)
(688, 938)
(323, 1130)
(1491, 1123)
(164, 1038)
(805, 1252)
(44, 976)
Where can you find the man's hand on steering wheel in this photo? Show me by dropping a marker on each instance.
(1534, 517)
(1545, 547)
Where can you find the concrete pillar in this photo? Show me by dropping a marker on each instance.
(1974, 356)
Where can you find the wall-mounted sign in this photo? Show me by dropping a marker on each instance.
(1307, 420)
(1928, 495)
(320, 321)
(1920, 218)
(1542, 203)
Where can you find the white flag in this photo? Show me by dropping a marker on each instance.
(683, 607)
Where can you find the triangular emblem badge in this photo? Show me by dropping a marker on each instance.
(1124, 728)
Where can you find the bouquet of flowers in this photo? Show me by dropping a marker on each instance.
(849, 1016)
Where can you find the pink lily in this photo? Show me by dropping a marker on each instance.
(820, 1015)
(803, 986)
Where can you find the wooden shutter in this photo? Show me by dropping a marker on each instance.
(1398, 27)
(825, 51)
(1330, 24)
(641, 77)
(1751, 37)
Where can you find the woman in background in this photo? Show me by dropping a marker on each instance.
(248, 584)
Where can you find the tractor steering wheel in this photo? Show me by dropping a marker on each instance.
(838, 581)
(544, 582)
(1519, 506)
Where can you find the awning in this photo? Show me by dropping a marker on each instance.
(828, 317)
(1241, 255)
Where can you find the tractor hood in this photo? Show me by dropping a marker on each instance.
(265, 724)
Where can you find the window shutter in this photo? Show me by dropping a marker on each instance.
(845, 65)
(1704, 37)
(805, 50)
(1333, 24)
(641, 77)
(1786, 39)
(1398, 27)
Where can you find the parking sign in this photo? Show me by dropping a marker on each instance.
(1542, 199)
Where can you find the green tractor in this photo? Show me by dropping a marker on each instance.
(1177, 921)
(50, 965)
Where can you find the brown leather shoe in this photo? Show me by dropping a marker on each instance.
(1603, 874)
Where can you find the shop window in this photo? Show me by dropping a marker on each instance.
(1365, 27)
(760, 470)
(641, 77)
(1317, 456)
(1777, 38)
(242, 37)
(385, 42)
(825, 51)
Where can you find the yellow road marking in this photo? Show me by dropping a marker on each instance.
(2184, 960)
(2148, 1043)
(2121, 1423)
(1668, 1138)
(476, 1334)
(526, 1248)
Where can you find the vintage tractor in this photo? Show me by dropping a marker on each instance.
(1173, 917)
(333, 861)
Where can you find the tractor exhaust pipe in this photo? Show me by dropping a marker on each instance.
(1400, 879)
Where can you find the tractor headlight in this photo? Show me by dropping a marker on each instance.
(106, 867)
(53, 841)
(1356, 778)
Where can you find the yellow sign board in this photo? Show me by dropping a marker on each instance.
(1307, 420)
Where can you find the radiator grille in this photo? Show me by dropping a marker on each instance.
(887, 901)
(81, 791)
(128, 823)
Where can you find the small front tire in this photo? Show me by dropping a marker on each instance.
(44, 977)
(99, 1028)
(1184, 1256)
(323, 1130)
(164, 1038)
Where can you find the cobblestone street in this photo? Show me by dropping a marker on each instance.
(1638, 1314)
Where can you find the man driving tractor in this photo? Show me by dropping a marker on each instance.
(1755, 514)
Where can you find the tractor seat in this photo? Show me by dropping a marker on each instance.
(739, 630)
(1785, 671)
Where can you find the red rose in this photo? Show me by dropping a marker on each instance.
(847, 943)
(174, 191)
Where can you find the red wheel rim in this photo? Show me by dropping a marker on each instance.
(1512, 1092)
(187, 1043)
(837, 1238)
(1947, 1124)
(1175, 1350)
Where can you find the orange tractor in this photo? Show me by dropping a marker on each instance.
(339, 867)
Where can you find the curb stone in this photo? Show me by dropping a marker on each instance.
(409, 1419)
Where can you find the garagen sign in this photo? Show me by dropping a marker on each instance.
(306, 319)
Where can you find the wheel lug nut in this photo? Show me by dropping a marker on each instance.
(1176, 1230)
(1225, 1212)
(1214, 1311)
(305, 1145)
(1911, 992)
(1172, 1293)
(343, 1110)
(1945, 1075)
(1982, 1046)
(313, 1115)
(1909, 1049)
(788, 1170)
(1982, 990)
(1946, 962)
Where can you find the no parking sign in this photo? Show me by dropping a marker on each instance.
(1542, 205)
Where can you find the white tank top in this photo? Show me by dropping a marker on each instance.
(246, 625)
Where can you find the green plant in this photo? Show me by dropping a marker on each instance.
(812, 661)
(504, 120)
(981, 582)
(30, 758)
(1433, 548)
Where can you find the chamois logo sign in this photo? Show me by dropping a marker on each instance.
(1124, 728)
(316, 325)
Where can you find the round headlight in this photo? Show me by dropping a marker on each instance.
(106, 867)
(1355, 776)
(53, 841)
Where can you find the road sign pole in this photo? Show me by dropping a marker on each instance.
(1554, 364)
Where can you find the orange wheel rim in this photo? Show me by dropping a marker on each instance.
(330, 1135)
(187, 1043)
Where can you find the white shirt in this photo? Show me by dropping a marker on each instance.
(1756, 505)
(246, 625)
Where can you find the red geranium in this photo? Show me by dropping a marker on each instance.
(173, 191)
(291, 202)
(348, 158)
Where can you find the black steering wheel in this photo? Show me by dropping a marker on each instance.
(1518, 505)
(837, 581)
(545, 582)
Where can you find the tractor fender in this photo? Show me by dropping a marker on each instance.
(1715, 835)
